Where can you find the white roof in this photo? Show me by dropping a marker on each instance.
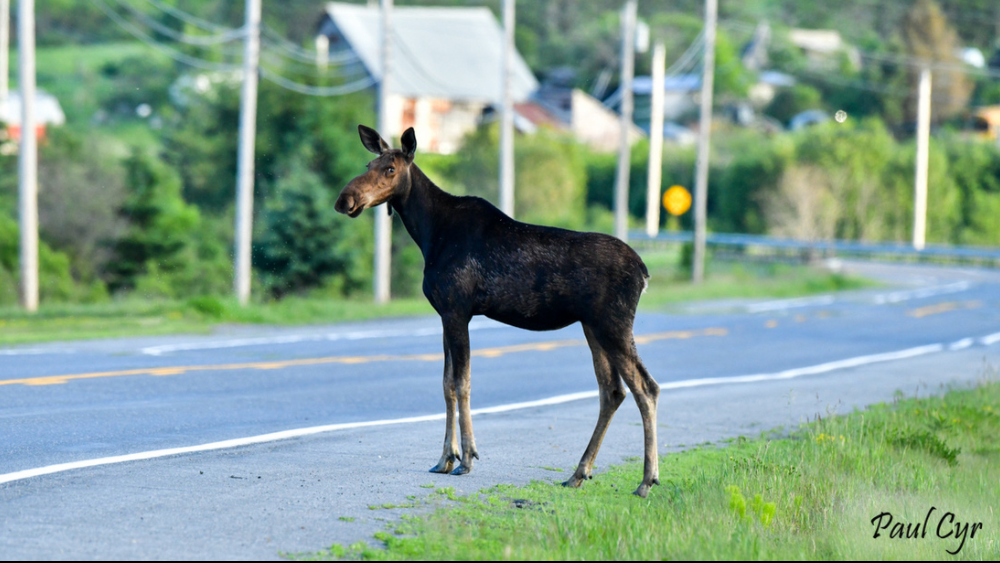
(451, 53)
(47, 109)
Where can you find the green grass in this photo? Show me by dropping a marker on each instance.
(135, 316)
(809, 495)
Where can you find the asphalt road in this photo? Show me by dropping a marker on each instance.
(165, 448)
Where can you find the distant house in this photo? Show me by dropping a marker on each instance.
(986, 120)
(446, 66)
(680, 95)
(767, 86)
(823, 47)
(574, 111)
(47, 112)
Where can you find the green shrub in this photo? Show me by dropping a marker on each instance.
(55, 282)
(303, 243)
(167, 250)
(550, 184)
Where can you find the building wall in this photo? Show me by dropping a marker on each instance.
(596, 125)
(440, 124)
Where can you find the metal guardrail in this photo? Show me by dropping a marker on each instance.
(831, 248)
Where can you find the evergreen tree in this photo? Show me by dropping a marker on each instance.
(930, 37)
(160, 223)
(303, 243)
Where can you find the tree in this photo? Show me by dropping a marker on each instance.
(929, 37)
(160, 226)
(303, 243)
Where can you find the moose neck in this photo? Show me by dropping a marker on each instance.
(416, 208)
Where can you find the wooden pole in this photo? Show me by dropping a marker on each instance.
(655, 142)
(383, 222)
(28, 156)
(507, 113)
(4, 48)
(624, 147)
(704, 134)
(923, 151)
(245, 154)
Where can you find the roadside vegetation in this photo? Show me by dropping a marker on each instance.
(134, 316)
(136, 189)
(815, 493)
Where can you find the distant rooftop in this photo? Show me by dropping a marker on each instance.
(452, 53)
(47, 109)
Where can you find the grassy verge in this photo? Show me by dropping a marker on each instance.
(670, 284)
(136, 316)
(812, 494)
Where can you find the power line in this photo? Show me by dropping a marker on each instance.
(295, 52)
(168, 51)
(189, 18)
(309, 90)
(919, 62)
(683, 64)
(200, 40)
(309, 69)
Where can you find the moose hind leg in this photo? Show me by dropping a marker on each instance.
(612, 393)
(626, 362)
(451, 452)
(647, 408)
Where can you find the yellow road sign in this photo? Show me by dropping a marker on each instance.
(677, 200)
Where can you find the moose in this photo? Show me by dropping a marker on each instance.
(479, 261)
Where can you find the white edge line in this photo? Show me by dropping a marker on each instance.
(32, 352)
(299, 432)
(793, 303)
(921, 293)
(961, 344)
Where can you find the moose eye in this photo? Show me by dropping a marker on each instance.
(390, 170)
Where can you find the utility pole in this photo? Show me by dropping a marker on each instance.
(507, 113)
(704, 132)
(4, 48)
(28, 156)
(245, 155)
(923, 150)
(624, 147)
(322, 51)
(383, 222)
(655, 142)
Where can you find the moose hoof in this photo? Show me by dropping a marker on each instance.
(643, 489)
(461, 470)
(445, 464)
(442, 468)
(575, 481)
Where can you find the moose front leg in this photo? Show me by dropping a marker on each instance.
(451, 452)
(457, 335)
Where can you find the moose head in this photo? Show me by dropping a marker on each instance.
(388, 175)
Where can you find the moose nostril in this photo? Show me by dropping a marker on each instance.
(343, 204)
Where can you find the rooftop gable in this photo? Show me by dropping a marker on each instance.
(451, 53)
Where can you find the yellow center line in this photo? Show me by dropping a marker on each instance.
(943, 308)
(482, 353)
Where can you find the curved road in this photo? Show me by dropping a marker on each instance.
(255, 441)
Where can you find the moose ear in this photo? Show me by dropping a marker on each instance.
(409, 144)
(372, 140)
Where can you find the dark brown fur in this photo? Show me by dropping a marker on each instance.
(479, 261)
